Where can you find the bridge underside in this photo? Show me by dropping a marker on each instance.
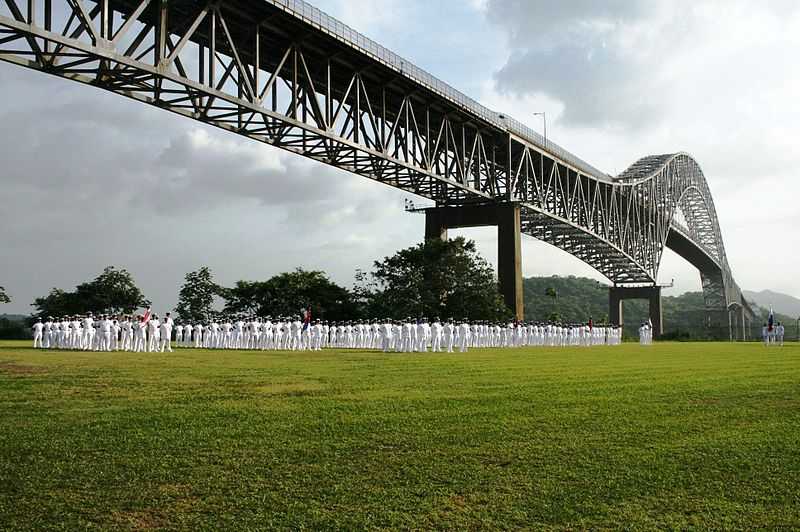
(285, 74)
(725, 318)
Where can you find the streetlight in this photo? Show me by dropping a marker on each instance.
(544, 119)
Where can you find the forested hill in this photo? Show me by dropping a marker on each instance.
(574, 299)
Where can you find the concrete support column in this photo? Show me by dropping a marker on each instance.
(730, 325)
(435, 225)
(507, 218)
(656, 314)
(617, 294)
(615, 307)
(743, 317)
(509, 258)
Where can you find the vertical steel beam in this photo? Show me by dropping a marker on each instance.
(162, 29)
(212, 49)
(48, 22)
(201, 64)
(105, 13)
(328, 101)
(256, 63)
(295, 96)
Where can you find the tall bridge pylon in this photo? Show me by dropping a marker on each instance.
(286, 74)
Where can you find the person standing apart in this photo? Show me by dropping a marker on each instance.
(38, 332)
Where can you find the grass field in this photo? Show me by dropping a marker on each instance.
(673, 436)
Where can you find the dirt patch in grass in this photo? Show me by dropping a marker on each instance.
(20, 369)
(140, 520)
(704, 402)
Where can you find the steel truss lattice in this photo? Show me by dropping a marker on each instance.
(281, 73)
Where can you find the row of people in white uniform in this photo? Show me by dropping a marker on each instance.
(105, 333)
(388, 335)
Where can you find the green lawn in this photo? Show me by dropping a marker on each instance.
(673, 436)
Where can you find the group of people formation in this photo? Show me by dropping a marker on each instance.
(141, 333)
(646, 333)
(147, 333)
(772, 333)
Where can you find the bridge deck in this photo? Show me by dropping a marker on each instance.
(299, 20)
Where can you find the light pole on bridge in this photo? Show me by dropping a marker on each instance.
(544, 119)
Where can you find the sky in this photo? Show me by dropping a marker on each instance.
(90, 179)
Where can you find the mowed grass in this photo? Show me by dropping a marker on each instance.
(672, 436)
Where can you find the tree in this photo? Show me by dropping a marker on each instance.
(553, 294)
(3, 296)
(287, 293)
(436, 278)
(112, 292)
(248, 297)
(196, 298)
(59, 303)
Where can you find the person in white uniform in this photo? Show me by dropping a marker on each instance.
(463, 337)
(436, 336)
(88, 332)
(152, 334)
(166, 336)
(38, 333)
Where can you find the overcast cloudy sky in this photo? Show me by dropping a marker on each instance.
(90, 179)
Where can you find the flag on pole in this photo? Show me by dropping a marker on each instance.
(147, 314)
(770, 320)
(306, 318)
(591, 324)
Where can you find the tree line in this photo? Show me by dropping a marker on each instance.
(433, 279)
(436, 278)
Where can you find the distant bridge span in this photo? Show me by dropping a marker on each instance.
(286, 74)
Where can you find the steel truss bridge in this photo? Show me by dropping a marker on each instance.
(284, 73)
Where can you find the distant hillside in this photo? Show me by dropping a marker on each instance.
(13, 327)
(13, 317)
(783, 303)
(579, 297)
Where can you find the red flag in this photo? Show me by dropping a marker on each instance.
(147, 315)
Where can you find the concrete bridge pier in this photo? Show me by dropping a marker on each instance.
(743, 316)
(617, 294)
(506, 217)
